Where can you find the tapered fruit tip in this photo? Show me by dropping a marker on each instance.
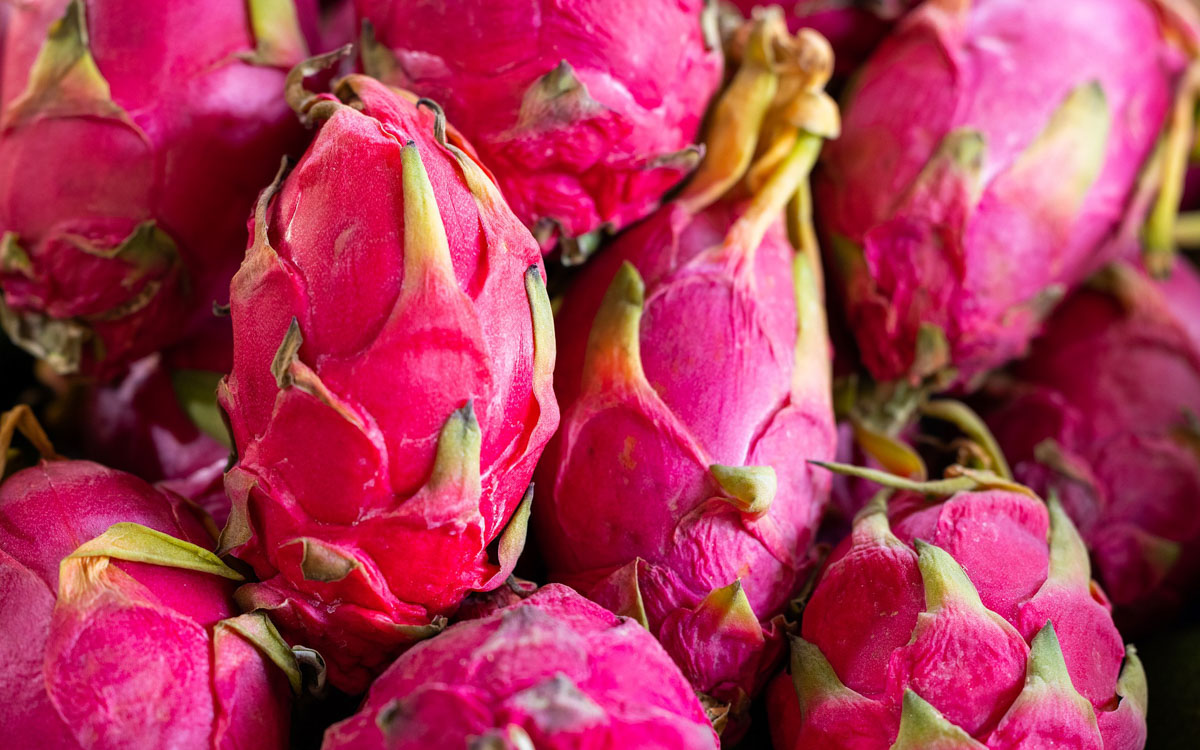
(944, 579)
(812, 674)
(613, 349)
(1046, 658)
(1068, 554)
(439, 118)
(286, 354)
(1131, 685)
(458, 449)
(426, 249)
(751, 489)
(731, 608)
(922, 727)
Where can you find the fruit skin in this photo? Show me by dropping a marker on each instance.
(579, 139)
(1102, 414)
(165, 124)
(430, 386)
(958, 207)
(893, 614)
(552, 671)
(84, 651)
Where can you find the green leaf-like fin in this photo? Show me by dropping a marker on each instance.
(137, 543)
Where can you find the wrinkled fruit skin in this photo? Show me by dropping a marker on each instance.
(988, 161)
(1101, 414)
(634, 514)
(132, 659)
(578, 138)
(903, 637)
(380, 458)
(124, 186)
(139, 425)
(553, 671)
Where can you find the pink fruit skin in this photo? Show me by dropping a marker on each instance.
(583, 160)
(627, 477)
(977, 238)
(562, 670)
(427, 339)
(135, 666)
(191, 132)
(1109, 388)
(870, 619)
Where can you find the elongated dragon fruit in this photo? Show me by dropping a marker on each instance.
(552, 671)
(1104, 414)
(385, 436)
(117, 624)
(968, 623)
(133, 139)
(585, 111)
(990, 159)
(677, 487)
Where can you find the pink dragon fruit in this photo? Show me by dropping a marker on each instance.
(969, 623)
(1103, 413)
(990, 159)
(118, 625)
(385, 437)
(586, 111)
(678, 489)
(133, 139)
(552, 671)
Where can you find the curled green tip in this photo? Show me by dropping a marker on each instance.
(923, 727)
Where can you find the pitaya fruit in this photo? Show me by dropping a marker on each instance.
(989, 160)
(968, 623)
(585, 111)
(117, 624)
(133, 139)
(386, 436)
(677, 488)
(552, 671)
(1103, 413)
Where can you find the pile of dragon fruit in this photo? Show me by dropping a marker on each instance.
(518, 374)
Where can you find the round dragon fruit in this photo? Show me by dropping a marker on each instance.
(677, 487)
(117, 625)
(990, 158)
(970, 623)
(586, 112)
(133, 139)
(1104, 414)
(386, 436)
(552, 671)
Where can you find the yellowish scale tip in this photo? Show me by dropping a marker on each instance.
(614, 347)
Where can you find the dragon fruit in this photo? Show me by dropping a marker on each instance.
(586, 112)
(967, 623)
(430, 387)
(133, 139)
(677, 487)
(1103, 413)
(119, 626)
(552, 671)
(990, 159)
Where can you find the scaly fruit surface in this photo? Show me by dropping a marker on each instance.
(1103, 413)
(554, 671)
(968, 623)
(133, 139)
(585, 111)
(392, 383)
(119, 628)
(990, 160)
(678, 489)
